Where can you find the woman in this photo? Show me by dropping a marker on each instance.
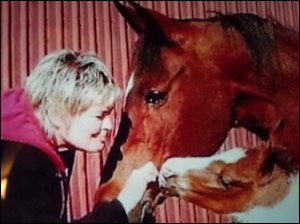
(65, 105)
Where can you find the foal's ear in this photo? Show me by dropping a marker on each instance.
(139, 18)
(277, 134)
(276, 153)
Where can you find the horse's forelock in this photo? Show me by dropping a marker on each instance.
(146, 56)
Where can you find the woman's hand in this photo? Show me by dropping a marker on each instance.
(136, 185)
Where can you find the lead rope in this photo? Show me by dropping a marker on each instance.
(145, 210)
(64, 191)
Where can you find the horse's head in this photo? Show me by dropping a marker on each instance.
(174, 91)
(193, 80)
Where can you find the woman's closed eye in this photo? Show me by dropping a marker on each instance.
(100, 117)
(103, 115)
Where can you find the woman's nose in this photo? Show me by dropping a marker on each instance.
(107, 123)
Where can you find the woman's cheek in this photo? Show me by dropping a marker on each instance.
(95, 128)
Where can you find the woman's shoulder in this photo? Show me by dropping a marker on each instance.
(24, 158)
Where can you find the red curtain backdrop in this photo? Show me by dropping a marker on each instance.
(31, 29)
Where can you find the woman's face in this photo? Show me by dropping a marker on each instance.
(90, 130)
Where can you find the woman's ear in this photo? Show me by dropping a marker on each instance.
(56, 117)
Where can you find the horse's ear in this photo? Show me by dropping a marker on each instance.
(139, 18)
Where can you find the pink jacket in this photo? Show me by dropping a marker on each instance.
(18, 124)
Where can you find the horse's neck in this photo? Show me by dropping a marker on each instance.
(286, 211)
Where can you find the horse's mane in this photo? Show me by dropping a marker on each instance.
(258, 33)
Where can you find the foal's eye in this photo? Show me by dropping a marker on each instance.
(155, 97)
(228, 182)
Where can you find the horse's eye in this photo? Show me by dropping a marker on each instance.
(155, 97)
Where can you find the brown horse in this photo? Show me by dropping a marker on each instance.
(194, 80)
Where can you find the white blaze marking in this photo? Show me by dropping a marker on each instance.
(129, 85)
(180, 165)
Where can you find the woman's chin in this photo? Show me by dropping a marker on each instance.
(97, 148)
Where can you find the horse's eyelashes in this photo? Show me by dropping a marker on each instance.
(155, 97)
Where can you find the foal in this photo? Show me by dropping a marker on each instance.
(254, 185)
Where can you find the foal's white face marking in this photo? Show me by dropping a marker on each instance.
(179, 165)
(129, 85)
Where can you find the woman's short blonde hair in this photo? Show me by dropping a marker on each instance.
(69, 82)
